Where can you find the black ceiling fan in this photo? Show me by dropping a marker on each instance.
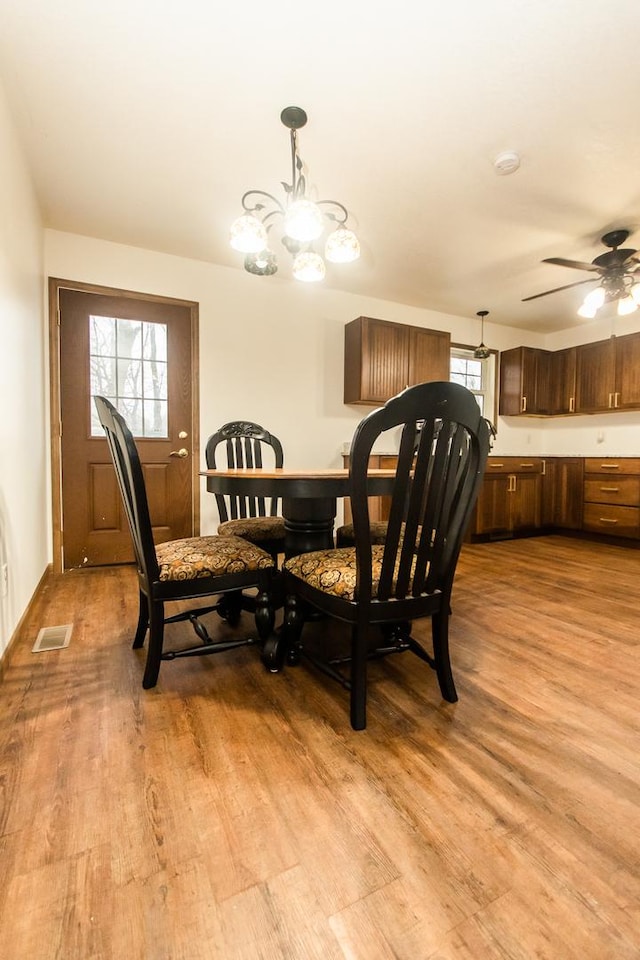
(615, 270)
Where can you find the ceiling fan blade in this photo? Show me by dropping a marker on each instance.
(575, 264)
(578, 283)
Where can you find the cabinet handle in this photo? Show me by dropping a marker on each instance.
(512, 484)
(609, 466)
(615, 399)
(572, 404)
(607, 520)
(610, 489)
(544, 468)
(523, 405)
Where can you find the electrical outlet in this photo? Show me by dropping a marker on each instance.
(4, 580)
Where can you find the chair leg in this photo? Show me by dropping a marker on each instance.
(156, 639)
(143, 621)
(358, 677)
(440, 634)
(292, 629)
(265, 614)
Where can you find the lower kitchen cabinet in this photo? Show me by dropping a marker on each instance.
(510, 499)
(562, 493)
(612, 496)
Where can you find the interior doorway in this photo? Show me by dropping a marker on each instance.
(140, 351)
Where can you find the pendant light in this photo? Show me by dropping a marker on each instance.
(481, 352)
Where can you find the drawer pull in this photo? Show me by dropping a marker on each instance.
(609, 466)
(496, 466)
(607, 520)
(610, 489)
(523, 465)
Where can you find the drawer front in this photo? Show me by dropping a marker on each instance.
(514, 465)
(612, 466)
(622, 490)
(616, 521)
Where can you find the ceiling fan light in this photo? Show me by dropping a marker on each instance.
(635, 292)
(303, 221)
(308, 266)
(626, 305)
(595, 299)
(587, 312)
(342, 246)
(248, 234)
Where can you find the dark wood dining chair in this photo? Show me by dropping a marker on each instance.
(239, 444)
(192, 568)
(410, 576)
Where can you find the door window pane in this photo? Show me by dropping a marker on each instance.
(128, 365)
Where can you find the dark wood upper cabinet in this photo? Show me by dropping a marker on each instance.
(562, 381)
(591, 378)
(608, 374)
(524, 382)
(596, 375)
(382, 358)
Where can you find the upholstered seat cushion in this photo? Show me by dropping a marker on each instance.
(255, 529)
(334, 571)
(196, 557)
(345, 536)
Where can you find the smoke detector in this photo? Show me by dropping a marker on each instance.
(506, 162)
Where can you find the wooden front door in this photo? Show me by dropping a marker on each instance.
(137, 352)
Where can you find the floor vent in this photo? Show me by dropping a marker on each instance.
(53, 638)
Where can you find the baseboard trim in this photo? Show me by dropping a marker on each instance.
(15, 636)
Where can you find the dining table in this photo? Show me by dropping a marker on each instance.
(308, 497)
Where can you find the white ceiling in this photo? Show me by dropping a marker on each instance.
(144, 121)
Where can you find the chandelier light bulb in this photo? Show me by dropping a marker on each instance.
(308, 266)
(342, 246)
(303, 221)
(248, 234)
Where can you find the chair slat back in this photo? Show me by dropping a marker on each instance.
(242, 444)
(444, 444)
(126, 462)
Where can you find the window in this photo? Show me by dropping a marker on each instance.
(128, 365)
(479, 376)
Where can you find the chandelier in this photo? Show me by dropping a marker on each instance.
(481, 352)
(302, 221)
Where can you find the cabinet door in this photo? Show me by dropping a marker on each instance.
(519, 382)
(429, 355)
(562, 386)
(627, 386)
(376, 360)
(493, 506)
(567, 513)
(525, 502)
(595, 376)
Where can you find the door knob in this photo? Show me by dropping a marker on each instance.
(182, 453)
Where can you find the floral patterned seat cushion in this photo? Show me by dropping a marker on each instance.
(255, 529)
(196, 557)
(345, 536)
(334, 571)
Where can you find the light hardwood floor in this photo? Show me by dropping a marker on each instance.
(233, 814)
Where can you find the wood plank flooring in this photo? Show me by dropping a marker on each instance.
(233, 814)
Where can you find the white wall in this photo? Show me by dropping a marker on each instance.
(24, 499)
(271, 350)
